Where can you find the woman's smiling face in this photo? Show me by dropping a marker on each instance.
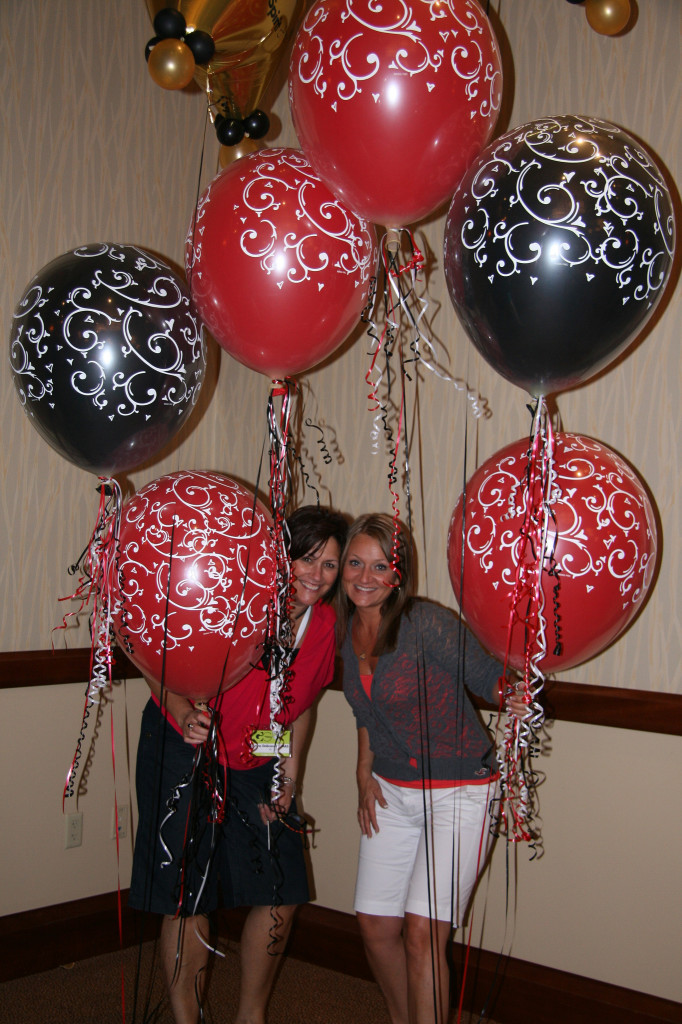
(367, 576)
(314, 574)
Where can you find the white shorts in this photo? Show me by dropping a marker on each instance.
(427, 839)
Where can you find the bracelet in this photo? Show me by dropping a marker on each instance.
(286, 778)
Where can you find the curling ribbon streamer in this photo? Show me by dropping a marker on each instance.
(119, 900)
(392, 479)
(279, 641)
(376, 341)
(407, 302)
(535, 556)
(98, 566)
(400, 302)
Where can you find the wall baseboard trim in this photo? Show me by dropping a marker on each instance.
(512, 991)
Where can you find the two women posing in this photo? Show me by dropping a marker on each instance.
(426, 777)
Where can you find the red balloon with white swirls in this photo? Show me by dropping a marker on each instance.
(279, 269)
(605, 535)
(392, 102)
(196, 575)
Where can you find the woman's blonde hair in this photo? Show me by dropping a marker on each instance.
(396, 544)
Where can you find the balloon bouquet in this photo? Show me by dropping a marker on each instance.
(108, 359)
(279, 271)
(558, 244)
(279, 268)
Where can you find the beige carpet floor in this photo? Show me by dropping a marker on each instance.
(89, 992)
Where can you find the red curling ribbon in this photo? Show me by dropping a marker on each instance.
(416, 263)
(95, 584)
(536, 555)
(395, 498)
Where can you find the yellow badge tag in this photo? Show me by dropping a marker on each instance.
(263, 743)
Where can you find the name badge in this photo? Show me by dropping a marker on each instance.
(263, 743)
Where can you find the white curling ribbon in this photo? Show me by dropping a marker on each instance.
(479, 405)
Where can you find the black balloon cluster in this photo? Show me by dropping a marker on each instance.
(231, 130)
(170, 24)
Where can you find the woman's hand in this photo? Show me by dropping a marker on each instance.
(192, 721)
(279, 804)
(517, 702)
(369, 790)
(517, 707)
(369, 794)
(514, 701)
(194, 724)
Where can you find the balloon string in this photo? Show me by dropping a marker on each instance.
(535, 555)
(195, 218)
(119, 899)
(376, 341)
(415, 308)
(390, 333)
(321, 443)
(98, 567)
(393, 269)
(384, 342)
(279, 640)
(395, 497)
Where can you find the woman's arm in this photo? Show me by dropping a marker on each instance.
(292, 766)
(369, 790)
(446, 641)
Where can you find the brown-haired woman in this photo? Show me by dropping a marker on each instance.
(426, 768)
(253, 857)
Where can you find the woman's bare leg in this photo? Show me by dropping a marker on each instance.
(383, 941)
(185, 957)
(259, 960)
(428, 974)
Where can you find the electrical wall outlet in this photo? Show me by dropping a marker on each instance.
(123, 814)
(74, 830)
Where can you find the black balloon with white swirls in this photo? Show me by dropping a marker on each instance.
(107, 355)
(558, 244)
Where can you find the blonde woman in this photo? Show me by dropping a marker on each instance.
(426, 769)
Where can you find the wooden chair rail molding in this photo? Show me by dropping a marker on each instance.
(645, 710)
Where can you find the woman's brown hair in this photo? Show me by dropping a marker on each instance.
(396, 545)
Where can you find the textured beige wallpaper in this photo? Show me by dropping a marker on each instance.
(94, 151)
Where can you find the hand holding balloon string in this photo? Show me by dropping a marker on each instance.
(280, 802)
(196, 723)
(517, 704)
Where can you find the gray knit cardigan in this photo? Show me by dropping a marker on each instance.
(421, 722)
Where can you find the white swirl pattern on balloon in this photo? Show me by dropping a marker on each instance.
(350, 65)
(201, 529)
(265, 189)
(598, 535)
(121, 303)
(625, 192)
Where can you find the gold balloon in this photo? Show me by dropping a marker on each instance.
(228, 154)
(249, 37)
(171, 64)
(608, 17)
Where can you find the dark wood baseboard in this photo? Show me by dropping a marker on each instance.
(646, 710)
(512, 991)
